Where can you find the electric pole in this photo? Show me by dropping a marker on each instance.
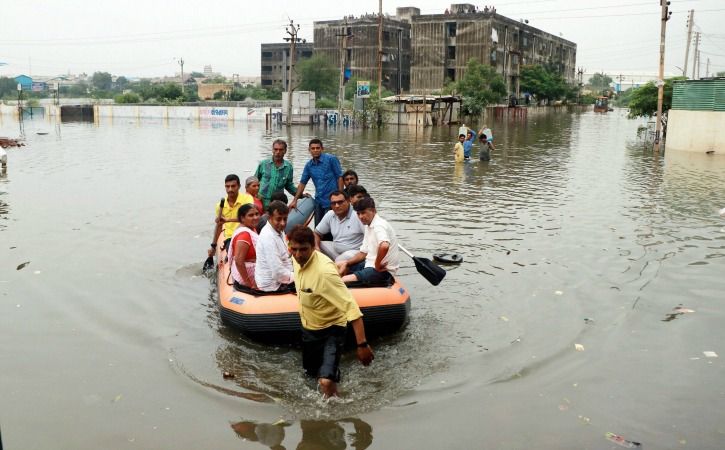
(292, 30)
(690, 22)
(665, 16)
(580, 76)
(707, 69)
(380, 48)
(341, 88)
(620, 78)
(695, 61)
(181, 63)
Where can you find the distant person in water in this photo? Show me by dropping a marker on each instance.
(458, 151)
(468, 144)
(486, 147)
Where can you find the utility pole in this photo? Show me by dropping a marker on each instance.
(380, 48)
(341, 88)
(694, 57)
(292, 30)
(580, 76)
(707, 69)
(690, 22)
(699, 61)
(665, 16)
(620, 77)
(181, 63)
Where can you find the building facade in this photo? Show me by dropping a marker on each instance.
(353, 43)
(275, 60)
(444, 43)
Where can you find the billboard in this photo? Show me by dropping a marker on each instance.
(363, 89)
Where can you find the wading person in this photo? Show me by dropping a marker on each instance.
(468, 144)
(486, 147)
(275, 174)
(379, 249)
(273, 271)
(326, 307)
(346, 229)
(326, 174)
(458, 151)
(242, 251)
(227, 209)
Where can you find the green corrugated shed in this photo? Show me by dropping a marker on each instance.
(699, 95)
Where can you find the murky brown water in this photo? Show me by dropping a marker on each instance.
(572, 234)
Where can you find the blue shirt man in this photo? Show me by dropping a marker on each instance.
(326, 174)
(468, 144)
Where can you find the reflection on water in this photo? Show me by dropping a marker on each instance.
(316, 434)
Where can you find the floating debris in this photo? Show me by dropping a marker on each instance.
(579, 347)
(227, 149)
(588, 321)
(21, 266)
(619, 440)
(117, 398)
(709, 354)
(558, 293)
(504, 318)
(228, 375)
(677, 311)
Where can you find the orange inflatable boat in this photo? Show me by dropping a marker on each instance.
(275, 317)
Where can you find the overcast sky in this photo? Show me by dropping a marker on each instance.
(142, 38)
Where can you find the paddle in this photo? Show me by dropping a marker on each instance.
(425, 267)
(209, 263)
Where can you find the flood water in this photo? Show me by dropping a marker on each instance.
(560, 326)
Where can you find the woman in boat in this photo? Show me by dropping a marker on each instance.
(252, 187)
(242, 246)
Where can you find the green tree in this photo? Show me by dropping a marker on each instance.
(600, 81)
(102, 81)
(643, 101)
(545, 83)
(720, 74)
(8, 88)
(197, 74)
(129, 97)
(480, 86)
(121, 83)
(318, 74)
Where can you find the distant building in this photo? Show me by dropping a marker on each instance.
(444, 43)
(421, 53)
(275, 59)
(25, 82)
(354, 42)
(206, 91)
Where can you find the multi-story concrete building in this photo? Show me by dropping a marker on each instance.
(421, 53)
(353, 43)
(444, 43)
(275, 62)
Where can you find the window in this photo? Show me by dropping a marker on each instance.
(266, 54)
(451, 53)
(493, 56)
(451, 29)
(306, 54)
(266, 82)
(266, 68)
(451, 74)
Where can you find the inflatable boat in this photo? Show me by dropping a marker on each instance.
(274, 317)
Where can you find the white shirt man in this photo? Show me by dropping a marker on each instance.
(274, 265)
(379, 249)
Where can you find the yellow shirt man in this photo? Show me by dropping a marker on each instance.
(325, 301)
(229, 212)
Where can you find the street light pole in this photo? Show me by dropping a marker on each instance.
(292, 30)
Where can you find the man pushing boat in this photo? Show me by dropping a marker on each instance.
(326, 307)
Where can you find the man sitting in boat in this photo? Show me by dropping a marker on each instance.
(242, 251)
(326, 307)
(349, 178)
(346, 229)
(379, 249)
(356, 192)
(273, 271)
(226, 211)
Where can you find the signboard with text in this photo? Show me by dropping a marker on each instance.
(363, 89)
